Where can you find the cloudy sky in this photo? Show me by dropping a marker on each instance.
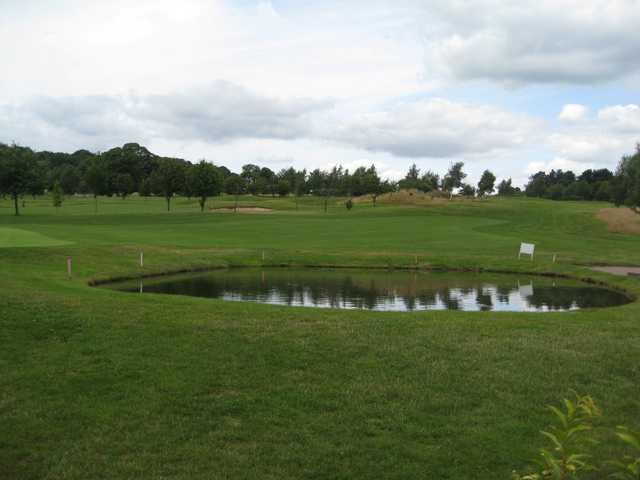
(514, 86)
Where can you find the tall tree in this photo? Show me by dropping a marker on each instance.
(235, 185)
(626, 184)
(486, 184)
(168, 178)
(57, 195)
(506, 188)
(204, 180)
(96, 178)
(412, 178)
(454, 177)
(17, 172)
(429, 181)
(123, 184)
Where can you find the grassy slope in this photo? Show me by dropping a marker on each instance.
(95, 383)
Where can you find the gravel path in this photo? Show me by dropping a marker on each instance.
(623, 271)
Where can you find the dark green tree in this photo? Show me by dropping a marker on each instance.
(486, 184)
(626, 184)
(168, 179)
(17, 172)
(204, 180)
(57, 195)
(429, 181)
(283, 188)
(506, 188)
(411, 179)
(235, 185)
(454, 177)
(123, 184)
(96, 178)
(467, 190)
(69, 179)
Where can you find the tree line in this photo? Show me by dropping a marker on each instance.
(621, 187)
(131, 168)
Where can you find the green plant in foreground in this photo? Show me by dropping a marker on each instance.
(570, 438)
(628, 468)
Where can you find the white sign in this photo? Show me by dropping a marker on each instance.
(526, 249)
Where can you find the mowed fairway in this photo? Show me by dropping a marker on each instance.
(102, 384)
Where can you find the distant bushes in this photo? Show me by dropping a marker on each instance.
(565, 185)
(621, 188)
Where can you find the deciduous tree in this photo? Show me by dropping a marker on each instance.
(204, 180)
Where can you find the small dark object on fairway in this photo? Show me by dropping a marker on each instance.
(349, 204)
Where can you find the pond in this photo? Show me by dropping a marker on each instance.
(384, 290)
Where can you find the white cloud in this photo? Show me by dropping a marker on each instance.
(547, 41)
(433, 127)
(317, 83)
(624, 118)
(418, 128)
(559, 163)
(220, 112)
(572, 112)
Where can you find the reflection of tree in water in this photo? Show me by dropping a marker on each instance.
(503, 293)
(564, 298)
(379, 290)
(427, 299)
(484, 300)
(449, 300)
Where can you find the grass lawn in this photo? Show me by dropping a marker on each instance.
(101, 384)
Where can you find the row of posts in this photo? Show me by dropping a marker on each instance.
(69, 261)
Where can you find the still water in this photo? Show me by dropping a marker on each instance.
(384, 290)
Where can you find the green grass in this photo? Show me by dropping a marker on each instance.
(101, 384)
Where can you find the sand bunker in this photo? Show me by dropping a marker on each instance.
(241, 210)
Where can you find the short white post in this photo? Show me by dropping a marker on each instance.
(554, 258)
(141, 259)
(263, 255)
(69, 267)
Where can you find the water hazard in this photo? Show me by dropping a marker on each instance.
(384, 290)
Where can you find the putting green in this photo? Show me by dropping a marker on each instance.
(17, 237)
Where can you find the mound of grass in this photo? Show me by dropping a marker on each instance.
(18, 237)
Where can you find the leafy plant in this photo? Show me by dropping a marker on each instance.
(627, 468)
(570, 440)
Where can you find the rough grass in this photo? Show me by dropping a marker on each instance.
(620, 220)
(102, 384)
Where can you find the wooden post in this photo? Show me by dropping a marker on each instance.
(141, 259)
(69, 267)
